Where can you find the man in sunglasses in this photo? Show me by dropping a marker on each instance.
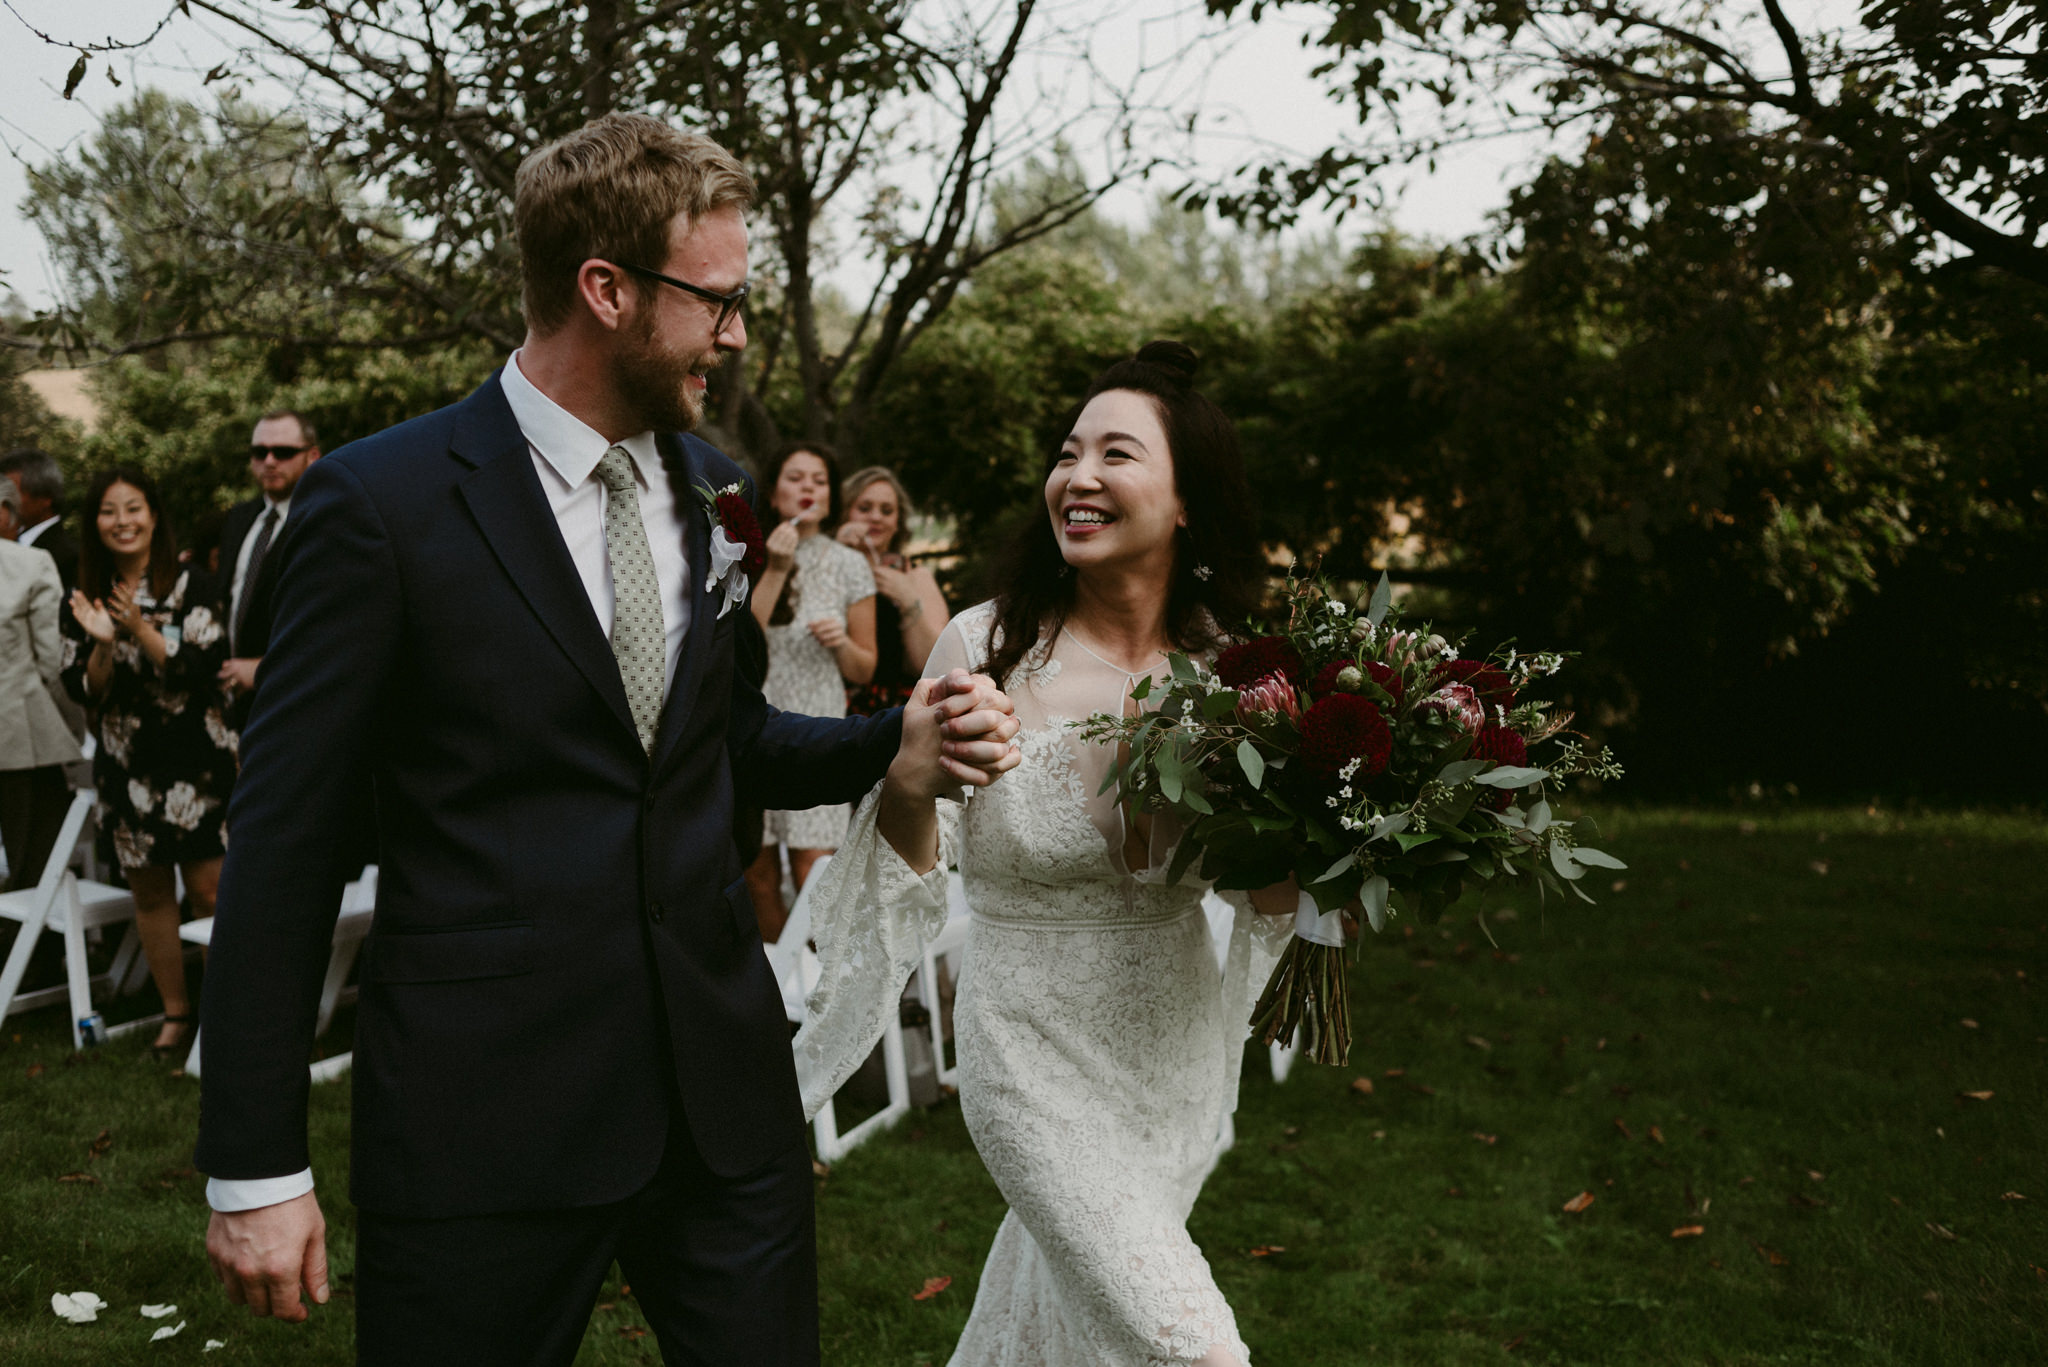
(280, 450)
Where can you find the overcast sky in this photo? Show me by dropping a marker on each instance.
(1258, 94)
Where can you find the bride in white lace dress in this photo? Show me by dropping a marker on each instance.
(1098, 1048)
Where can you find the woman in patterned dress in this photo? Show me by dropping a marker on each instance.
(910, 611)
(143, 646)
(816, 600)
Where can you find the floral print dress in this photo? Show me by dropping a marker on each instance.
(166, 756)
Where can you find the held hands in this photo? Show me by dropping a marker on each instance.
(959, 729)
(265, 1257)
(782, 544)
(239, 676)
(93, 616)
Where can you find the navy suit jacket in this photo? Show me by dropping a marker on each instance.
(564, 959)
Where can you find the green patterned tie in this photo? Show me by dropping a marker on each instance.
(639, 635)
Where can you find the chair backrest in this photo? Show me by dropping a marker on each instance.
(59, 862)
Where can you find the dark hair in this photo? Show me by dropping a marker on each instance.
(764, 497)
(1034, 592)
(306, 432)
(96, 562)
(41, 476)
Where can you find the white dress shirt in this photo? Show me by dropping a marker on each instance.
(283, 508)
(28, 537)
(565, 454)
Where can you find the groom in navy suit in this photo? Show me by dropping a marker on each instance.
(509, 626)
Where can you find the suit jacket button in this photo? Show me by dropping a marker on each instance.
(655, 912)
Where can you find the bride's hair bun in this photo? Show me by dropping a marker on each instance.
(1177, 359)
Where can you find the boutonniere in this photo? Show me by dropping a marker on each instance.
(738, 550)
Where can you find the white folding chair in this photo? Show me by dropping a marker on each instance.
(65, 904)
(351, 926)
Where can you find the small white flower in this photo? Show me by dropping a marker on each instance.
(1345, 791)
(1337, 607)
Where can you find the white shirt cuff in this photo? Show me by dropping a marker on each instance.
(228, 1194)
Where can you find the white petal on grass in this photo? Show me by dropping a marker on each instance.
(168, 1332)
(158, 1312)
(79, 1307)
(212, 1344)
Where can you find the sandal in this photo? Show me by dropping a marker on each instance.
(183, 1042)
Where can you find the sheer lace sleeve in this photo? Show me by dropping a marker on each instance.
(870, 918)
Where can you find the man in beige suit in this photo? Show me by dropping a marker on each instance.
(35, 744)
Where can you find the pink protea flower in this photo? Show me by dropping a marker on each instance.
(1457, 702)
(1270, 696)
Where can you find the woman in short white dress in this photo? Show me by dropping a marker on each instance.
(816, 601)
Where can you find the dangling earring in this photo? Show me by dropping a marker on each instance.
(1202, 572)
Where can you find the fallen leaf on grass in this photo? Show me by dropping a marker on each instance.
(1816, 1176)
(103, 1141)
(1479, 1042)
(1941, 1231)
(1268, 1250)
(2012, 1196)
(35, 1070)
(1688, 1231)
(1379, 1134)
(1395, 1072)
(1622, 1125)
(1975, 1096)
(632, 1331)
(932, 1287)
(1819, 866)
(1656, 1134)
(1578, 1203)
(1968, 1024)
(1771, 1256)
(80, 1178)
(1513, 1343)
(608, 1305)
(1806, 1202)
(169, 1331)
(1454, 1191)
(1487, 1139)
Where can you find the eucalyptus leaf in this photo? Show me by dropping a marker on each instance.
(1249, 760)
(1382, 599)
(1539, 818)
(1512, 776)
(1599, 859)
(1461, 771)
(1374, 896)
(1408, 842)
(1561, 860)
(1219, 705)
(1511, 817)
(1143, 690)
(1183, 669)
(1342, 864)
(1193, 798)
(1384, 826)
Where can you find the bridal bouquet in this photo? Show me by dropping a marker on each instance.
(1380, 767)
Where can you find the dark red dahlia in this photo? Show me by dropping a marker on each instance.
(1341, 728)
(1502, 746)
(1386, 678)
(1486, 680)
(1244, 664)
(740, 524)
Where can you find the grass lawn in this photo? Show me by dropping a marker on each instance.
(1771, 1030)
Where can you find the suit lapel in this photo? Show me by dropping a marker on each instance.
(685, 474)
(511, 509)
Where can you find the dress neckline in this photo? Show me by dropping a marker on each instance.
(1158, 658)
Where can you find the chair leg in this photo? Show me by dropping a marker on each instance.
(338, 965)
(17, 960)
(130, 970)
(192, 1059)
(75, 968)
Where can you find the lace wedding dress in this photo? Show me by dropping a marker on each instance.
(1098, 1045)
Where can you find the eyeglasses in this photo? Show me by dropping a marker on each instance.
(280, 454)
(729, 305)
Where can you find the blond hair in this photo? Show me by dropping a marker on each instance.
(882, 474)
(609, 191)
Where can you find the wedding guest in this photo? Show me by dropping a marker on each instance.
(143, 646)
(35, 744)
(36, 475)
(910, 611)
(281, 449)
(816, 600)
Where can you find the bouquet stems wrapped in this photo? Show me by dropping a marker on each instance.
(1309, 993)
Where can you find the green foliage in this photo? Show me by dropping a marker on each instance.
(25, 420)
(188, 422)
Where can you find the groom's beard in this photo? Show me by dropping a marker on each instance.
(657, 381)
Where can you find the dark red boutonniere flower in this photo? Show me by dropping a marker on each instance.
(1244, 664)
(734, 514)
(1341, 728)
